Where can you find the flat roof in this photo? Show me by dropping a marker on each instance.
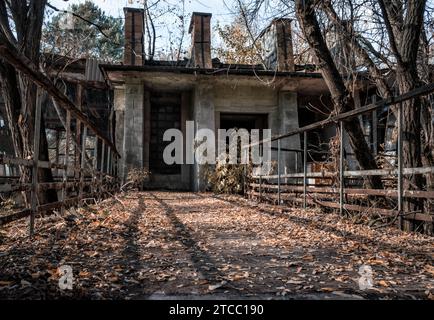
(212, 72)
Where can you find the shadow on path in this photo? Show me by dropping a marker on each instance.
(201, 260)
(347, 235)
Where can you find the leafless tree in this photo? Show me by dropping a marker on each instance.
(21, 25)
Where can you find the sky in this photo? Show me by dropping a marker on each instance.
(168, 26)
(115, 7)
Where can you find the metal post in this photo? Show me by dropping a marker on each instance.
(66, 159)
(260, 187)
(341, 168)
(400, 167)
(278, 171)
(95, 168)
(374, 127)
(244, 180)
(108, 160)
(36, 145)
(296, 162)
(102, 167)
(57, 152)
(305, 171)
(83, 164)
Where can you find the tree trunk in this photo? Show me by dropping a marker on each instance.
(342, 99)
(18, 90)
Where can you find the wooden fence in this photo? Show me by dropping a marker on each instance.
(83, 173)
(337, 193)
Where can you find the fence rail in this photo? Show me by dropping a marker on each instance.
(274, 187)
(79, 176)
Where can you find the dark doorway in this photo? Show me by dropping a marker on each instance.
(243, 121)
(165, 115)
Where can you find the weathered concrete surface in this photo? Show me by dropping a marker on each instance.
(283, 120)
(204, 108)
(204, 118)
(133, 128)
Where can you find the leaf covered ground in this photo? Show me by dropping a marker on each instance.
(163, 244)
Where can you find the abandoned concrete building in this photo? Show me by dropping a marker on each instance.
(153, 96)
(137, 101)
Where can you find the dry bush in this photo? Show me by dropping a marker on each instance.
(228, 178)
(137, 178)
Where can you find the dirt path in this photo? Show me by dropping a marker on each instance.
(183, 245)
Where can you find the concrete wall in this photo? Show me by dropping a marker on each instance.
(119, 108)
(245, 99)
(281, 107)
(132, 150)
(204, 118)
(203, 105)
(283, 120)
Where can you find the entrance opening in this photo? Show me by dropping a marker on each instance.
(243, 121)
(165, 115)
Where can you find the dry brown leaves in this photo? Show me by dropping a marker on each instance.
(196, 244)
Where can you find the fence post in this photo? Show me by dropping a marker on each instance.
(95, 168)
(296, 162)
(305, 170)
(66, 159)
(36, 145)
(375, 127)
(245, 180)
(278, 171)
(108, 160)
(83, 164)
(400, 168)
(341, 168)
(102, 177)
(57, 152)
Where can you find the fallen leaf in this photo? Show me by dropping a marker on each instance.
(216, 286)
(25, 283)
(84, 274)
(430, 269)
(383, 283)
(294, 282)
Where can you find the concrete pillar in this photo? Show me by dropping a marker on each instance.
(204, 118)
(185, 116)
(119, 108)
(283, 120)
(132, 156)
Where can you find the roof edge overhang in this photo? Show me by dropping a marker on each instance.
(107, 68)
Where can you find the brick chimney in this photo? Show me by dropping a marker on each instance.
(134, 37)
(200, 30)
(278, 52)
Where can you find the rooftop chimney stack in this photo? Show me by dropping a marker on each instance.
(200, 30)
(134, 53)
(278, 47)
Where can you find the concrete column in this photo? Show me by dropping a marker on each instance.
(283, 120)
(185, 116)
(133, 151)
(119, 108)
(204, 118)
